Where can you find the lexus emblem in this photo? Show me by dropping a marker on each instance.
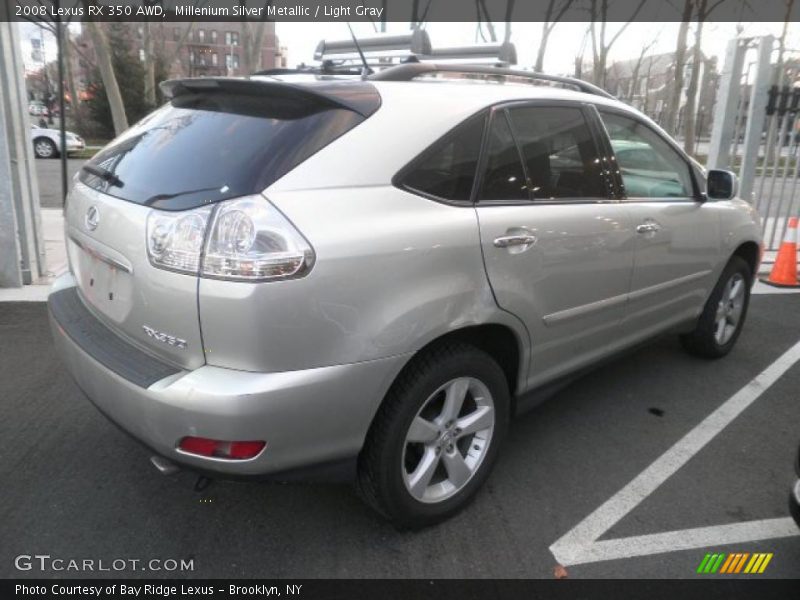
(92, 218)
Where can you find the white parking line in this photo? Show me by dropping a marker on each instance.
(581, 545)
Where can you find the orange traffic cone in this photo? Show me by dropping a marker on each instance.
(784, 271)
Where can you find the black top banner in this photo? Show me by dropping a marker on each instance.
(398, 10)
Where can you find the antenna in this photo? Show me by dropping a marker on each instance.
(367, 70)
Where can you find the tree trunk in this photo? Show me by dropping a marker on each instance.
(252, 42)
(542, 48)
(674, 100)
(691, 92)
(73, 91)
(103, 53)
(149, 66)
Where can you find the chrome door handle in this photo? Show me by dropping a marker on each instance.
(648, 228)
(507, 241)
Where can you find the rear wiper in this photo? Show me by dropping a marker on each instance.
(104, 174)
(160, 197)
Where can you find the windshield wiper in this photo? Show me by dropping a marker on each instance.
(104, 174)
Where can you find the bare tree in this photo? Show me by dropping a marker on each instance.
(253, 41)
(674, 99)
(103, 53)
(777, 79)
(638, 66)
(485, 17)
(508, 19)
(554, 13)
(703, 9)
(601, 46)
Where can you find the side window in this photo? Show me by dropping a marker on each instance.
(650, 167)
(559, 152)
(447, 169)
(504, 178)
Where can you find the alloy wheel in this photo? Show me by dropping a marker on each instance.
(448, 440)
(729, 309)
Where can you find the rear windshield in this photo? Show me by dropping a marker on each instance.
(206, 147)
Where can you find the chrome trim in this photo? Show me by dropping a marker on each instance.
(584, 309)
(515, 240)
(101, 256)
(659, 287)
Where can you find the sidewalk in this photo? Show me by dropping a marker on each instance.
(56, 261)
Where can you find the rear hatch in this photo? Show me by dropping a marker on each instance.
(215, 140)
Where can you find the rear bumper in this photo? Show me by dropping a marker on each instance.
(310, 417)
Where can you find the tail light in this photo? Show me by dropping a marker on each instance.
(221, 449)
(245, 239)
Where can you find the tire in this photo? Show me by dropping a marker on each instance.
(706, 340)
(44, 148)
(395, 455)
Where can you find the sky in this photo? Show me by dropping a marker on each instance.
(565, 41)
(300, 39)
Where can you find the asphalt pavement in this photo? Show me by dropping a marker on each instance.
(48, 174)
(76, 487)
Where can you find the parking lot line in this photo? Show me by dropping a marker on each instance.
(581, 545)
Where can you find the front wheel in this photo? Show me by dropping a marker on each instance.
(436, 436)
(723, 316)
(44, 148)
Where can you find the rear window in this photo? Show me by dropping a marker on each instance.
(206, 147)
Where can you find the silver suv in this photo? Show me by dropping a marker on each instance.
(366, 278)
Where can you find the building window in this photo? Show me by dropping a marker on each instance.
(231, 38)
(215, 59)
(213, 36)
(201, 35)
(176, 34)
(232, 61)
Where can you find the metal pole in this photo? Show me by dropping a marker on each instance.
(756, 114)
(63, 116)
(727, 104)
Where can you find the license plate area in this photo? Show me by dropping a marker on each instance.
(105, 281)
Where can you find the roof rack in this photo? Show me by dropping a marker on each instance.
(411, 70)
(381, 46)
(504, 53)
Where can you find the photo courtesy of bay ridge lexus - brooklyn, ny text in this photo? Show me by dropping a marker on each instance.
(400, 298)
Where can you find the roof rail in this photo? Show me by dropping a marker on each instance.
(412, 70)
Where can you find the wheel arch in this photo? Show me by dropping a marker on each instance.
(750, 252)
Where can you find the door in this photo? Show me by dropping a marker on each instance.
(558, 251)
(677, 233)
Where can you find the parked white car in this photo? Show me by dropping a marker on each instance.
(47, 142)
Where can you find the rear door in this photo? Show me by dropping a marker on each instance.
(677, 233)
(558, 249)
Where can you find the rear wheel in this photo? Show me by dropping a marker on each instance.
(436, 436)
(44, 148)
(724, 314)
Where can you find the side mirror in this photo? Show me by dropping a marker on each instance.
(721, 185)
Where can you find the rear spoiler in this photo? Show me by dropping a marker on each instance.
(355, 95)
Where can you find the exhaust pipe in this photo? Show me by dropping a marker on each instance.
(164, 466)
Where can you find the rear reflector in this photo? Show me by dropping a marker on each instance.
(221, 449)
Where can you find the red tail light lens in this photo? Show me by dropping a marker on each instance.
(221, 449)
